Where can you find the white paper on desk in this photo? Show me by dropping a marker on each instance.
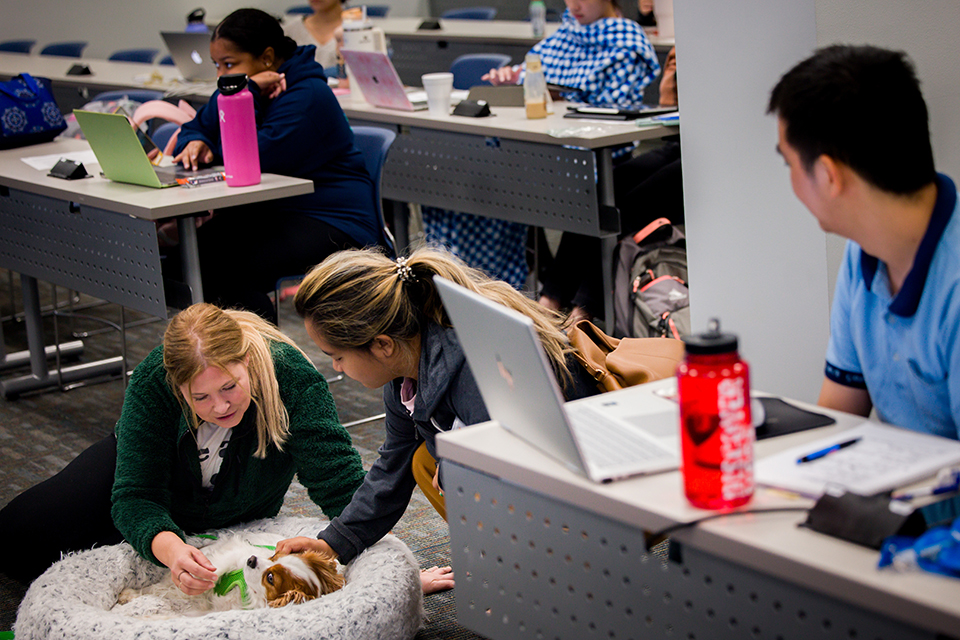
(885, 458)
(45, 163)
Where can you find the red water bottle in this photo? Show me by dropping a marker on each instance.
(715, 425)
(238, 131)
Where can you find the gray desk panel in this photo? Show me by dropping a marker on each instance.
(538, 184)
(107, 255)
(529, 566)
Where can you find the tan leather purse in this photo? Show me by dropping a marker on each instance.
(620, 363)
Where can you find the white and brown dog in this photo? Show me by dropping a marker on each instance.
(250, 575)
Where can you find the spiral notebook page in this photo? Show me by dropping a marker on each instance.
(882, 459)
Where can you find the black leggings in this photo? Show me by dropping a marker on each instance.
(68, 512)
(245, 250)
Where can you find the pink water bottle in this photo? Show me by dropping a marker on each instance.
(238, 131)
(715, 425)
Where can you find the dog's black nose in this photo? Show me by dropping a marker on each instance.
(252, 562)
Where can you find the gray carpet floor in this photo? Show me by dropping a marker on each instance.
(40, 433)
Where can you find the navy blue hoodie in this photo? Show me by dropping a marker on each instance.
(303, 133)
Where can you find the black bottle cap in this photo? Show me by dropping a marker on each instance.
(231, 83)
(712, 341)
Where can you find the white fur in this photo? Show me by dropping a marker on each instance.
(229, 553)
(73, 599)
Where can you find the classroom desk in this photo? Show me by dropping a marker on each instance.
(99, 237)
(71, 92)
(541, 552)
(508, 167)
(417, 51)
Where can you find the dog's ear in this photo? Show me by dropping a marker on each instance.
(325, 569)
(293, 596)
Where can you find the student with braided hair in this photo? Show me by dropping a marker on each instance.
(382, 323)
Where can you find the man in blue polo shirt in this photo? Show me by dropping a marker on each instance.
(896, 310)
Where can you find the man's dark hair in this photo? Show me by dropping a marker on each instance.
(252, 31)
(862, 106)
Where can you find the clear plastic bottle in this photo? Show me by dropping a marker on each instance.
(238, 131)
(534, 88)
(715, 426)
(538, 18)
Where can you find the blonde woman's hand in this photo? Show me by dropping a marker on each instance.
(503, 75)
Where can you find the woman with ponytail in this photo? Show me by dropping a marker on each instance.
(215, 423)
(382, 323)
(301, 132)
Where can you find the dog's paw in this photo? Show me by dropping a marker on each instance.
(290, 597)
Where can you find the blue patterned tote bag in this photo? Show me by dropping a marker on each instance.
(28, 112)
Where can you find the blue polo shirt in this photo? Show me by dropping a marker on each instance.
(904, 349)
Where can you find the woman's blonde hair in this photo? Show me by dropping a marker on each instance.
(354, 296)
(204, 335)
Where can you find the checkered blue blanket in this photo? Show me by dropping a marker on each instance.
(609, 61)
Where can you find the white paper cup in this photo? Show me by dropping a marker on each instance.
(438, 87)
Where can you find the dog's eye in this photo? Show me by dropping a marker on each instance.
(270, 579)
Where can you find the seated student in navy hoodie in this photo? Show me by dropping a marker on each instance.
(302, 132)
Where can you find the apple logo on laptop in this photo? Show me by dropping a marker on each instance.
(196, 57)
(504, 372)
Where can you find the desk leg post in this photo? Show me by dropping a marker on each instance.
(190, 257)
(607, 243)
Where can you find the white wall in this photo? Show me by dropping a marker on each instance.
(109, 25)
(757, 258)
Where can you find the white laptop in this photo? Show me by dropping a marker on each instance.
(191, 55)
(378, 80)
(604, 437)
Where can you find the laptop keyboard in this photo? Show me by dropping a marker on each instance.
(607, 444)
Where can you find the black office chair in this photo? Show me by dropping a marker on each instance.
(300, 9)
(470, 13)
(17, 46)
(64, 49)
(137, 95)
(377, 10)
(144, 56)
(470, 67)
(167, 60)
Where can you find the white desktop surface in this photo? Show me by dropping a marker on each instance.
(487, 31)
(107, 74)
(131, 199)
(770, 543)
(512, 123)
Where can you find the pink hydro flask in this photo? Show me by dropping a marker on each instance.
(238, 131)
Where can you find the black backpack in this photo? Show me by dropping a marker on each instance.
(651, 298)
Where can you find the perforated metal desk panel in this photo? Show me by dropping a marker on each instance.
(540, 552)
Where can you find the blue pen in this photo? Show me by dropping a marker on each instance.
(816, 455)
(946, 483)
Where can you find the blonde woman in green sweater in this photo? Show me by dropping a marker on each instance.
(215, 423)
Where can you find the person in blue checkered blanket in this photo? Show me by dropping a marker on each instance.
(605, 59)
(609, 61)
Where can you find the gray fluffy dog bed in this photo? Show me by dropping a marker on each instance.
(72, 599)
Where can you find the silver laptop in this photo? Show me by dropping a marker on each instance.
(191, 54)
(379, 83)
(604, 437)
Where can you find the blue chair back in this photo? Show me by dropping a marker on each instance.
(374, 143)
(302, 9)
(64, 49)
(470, 13)
(166, 60)
(377, 10)
(163, 133)
(470, 67)
(137, 95)
(145, 56)
(17, 46)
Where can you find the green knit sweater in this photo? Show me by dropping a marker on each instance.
(158, 483)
